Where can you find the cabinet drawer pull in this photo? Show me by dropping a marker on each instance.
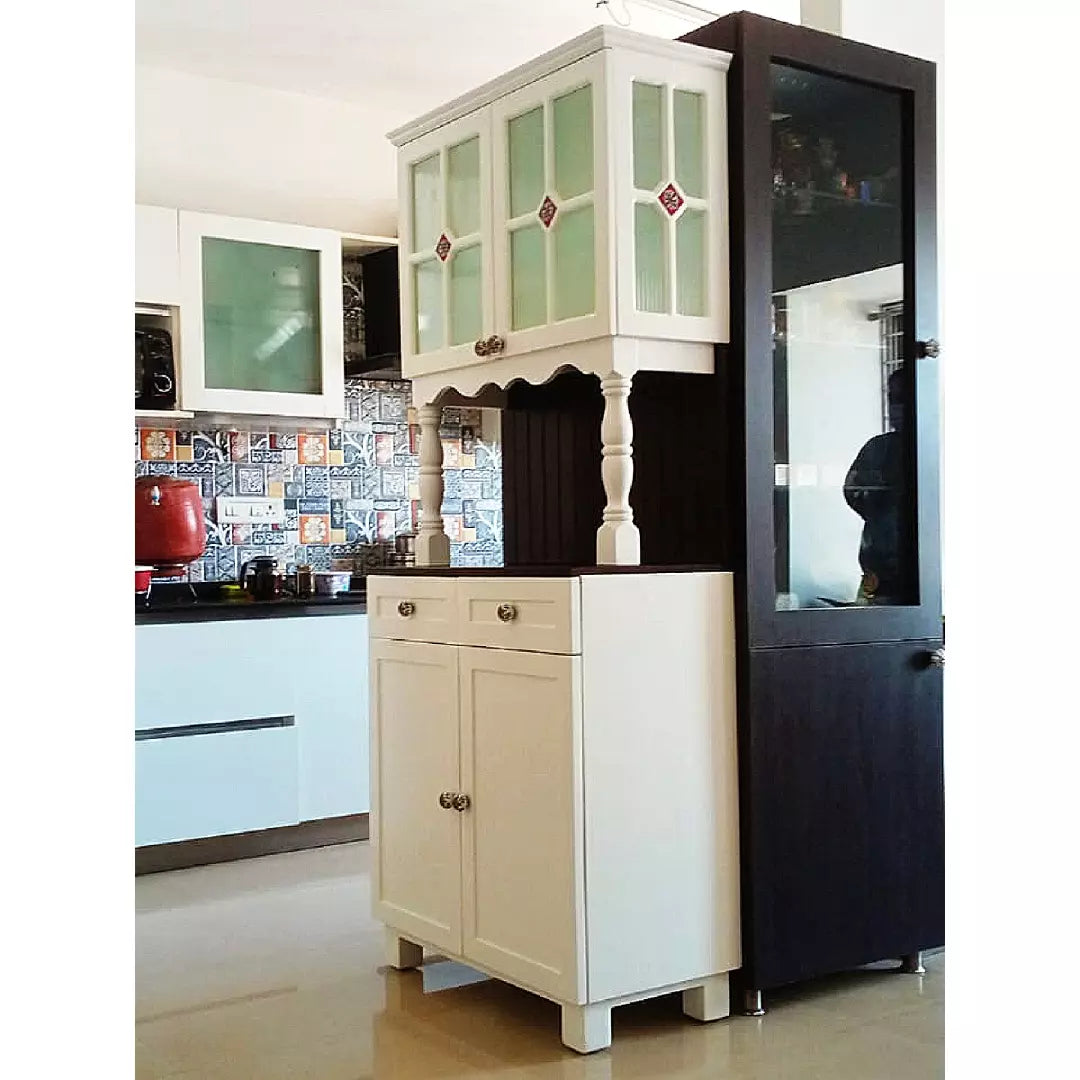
(506, 612)
(446, 800)
(462, 803)
(406, 608)
(489, 346)
(937, 658)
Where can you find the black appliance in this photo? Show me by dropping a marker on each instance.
(155, 371)
(372, 319)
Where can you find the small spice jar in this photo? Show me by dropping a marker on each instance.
(305, 581)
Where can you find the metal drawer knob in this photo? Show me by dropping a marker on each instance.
(937, 658)
(928, 348)
(406, 608)
(506, 612)
(446, 800)
(462, 803)
(489, 346)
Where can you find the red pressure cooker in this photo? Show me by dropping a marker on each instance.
(169, 527)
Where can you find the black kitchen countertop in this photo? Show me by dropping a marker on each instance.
(543, 570)
(173, 603)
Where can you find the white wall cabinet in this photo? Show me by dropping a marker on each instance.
(157, 256)
(236, 731)
(578, 199)
(260, 318)
(554, 784)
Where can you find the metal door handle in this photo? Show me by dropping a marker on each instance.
(406, 608)
(937, 658)
(446, 800)
(506, 612)
(931, 347)
(462, 803)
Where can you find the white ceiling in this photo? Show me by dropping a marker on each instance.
(408, 54)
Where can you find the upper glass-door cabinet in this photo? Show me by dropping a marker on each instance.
(578, 198)
(260, 318)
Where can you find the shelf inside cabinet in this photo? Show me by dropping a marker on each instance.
(163, 414)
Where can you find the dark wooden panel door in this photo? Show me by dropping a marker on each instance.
(843, 804)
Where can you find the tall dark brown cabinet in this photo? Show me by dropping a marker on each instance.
(808, 464)
(834, 363)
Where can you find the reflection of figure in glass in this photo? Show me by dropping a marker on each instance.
(872, 489)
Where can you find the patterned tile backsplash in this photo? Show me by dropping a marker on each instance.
(341, 487)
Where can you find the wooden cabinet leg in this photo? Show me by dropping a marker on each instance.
(618, 542)
(432, 544)
(402, 954)
(709, 1001)
(586, 1028)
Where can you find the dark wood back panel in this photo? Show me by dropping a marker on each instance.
(553, 495)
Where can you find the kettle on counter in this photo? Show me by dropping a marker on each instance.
(261, 578)
(170, 531)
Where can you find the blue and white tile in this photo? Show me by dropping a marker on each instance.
(316, 481)
(250, 480)
(224, 479)
(393, 484)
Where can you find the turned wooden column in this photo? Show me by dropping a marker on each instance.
(618, 542)
(432, 544)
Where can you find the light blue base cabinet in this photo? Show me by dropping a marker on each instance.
(244, 725)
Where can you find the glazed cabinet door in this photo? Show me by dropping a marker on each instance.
(671, 216)
(550, 161)
(260, 317)
(445, 270)
(522, 837)
(416, 840)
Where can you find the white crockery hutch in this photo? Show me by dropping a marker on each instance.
(554, 793)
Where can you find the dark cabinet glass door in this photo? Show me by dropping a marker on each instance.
(843, 450)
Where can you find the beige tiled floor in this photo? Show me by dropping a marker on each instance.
(271, 968)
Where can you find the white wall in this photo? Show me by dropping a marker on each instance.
(232, 148)
(834, 406)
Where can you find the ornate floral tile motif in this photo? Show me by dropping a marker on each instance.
(341, 486)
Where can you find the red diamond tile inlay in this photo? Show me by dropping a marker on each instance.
(670, 199)
(442, 248)
(546, 213)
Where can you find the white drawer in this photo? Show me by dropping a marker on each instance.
(413, 608)
(533, 614)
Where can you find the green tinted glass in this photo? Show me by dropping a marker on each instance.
(525, 145)
(463, 187)
(573, 140)
(574, 280)
(428, 298)
(648, 110)
(261, 317)
(650, 258)
(426, 203)
(465, 305)
(528, 285)
(691, 275)
(689, 115)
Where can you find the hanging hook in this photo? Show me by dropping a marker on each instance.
(607, 4)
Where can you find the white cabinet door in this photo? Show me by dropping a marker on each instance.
(157, 256)
(550, 176)
(522, 833)
(260, 318)
(670, 196)
(445, 267)
(414, 749)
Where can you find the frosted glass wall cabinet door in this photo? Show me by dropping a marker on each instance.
(445, 249)
(260, 318)
(551, 222)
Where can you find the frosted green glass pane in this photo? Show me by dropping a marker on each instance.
(573, 138)
(648, 135)
(428, 297)
(650, 259)
(691, 269)
(261, 317)
(575, 263)
(689, 116)
(465, 306)
(426, 203)
(528, 285)
(463, 187)
(525, 145)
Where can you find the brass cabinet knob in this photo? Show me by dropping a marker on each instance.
(937, 658)
(489, 346)
(462, 803)
(406, 608)
(931, 347)
(446, 800)
(506, 612)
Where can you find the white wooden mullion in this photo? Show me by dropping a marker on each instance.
(667, 125)
(549, 189)
(444, 192)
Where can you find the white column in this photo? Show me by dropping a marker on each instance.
(617, 540)
(432, 544)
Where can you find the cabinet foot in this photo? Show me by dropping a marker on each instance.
(402, 954)
(912, 964)
(709, 1001)
(752, 1003)
(586, 1028)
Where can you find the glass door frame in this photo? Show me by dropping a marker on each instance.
(757, 43)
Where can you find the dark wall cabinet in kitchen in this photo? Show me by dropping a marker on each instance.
(833, 383)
